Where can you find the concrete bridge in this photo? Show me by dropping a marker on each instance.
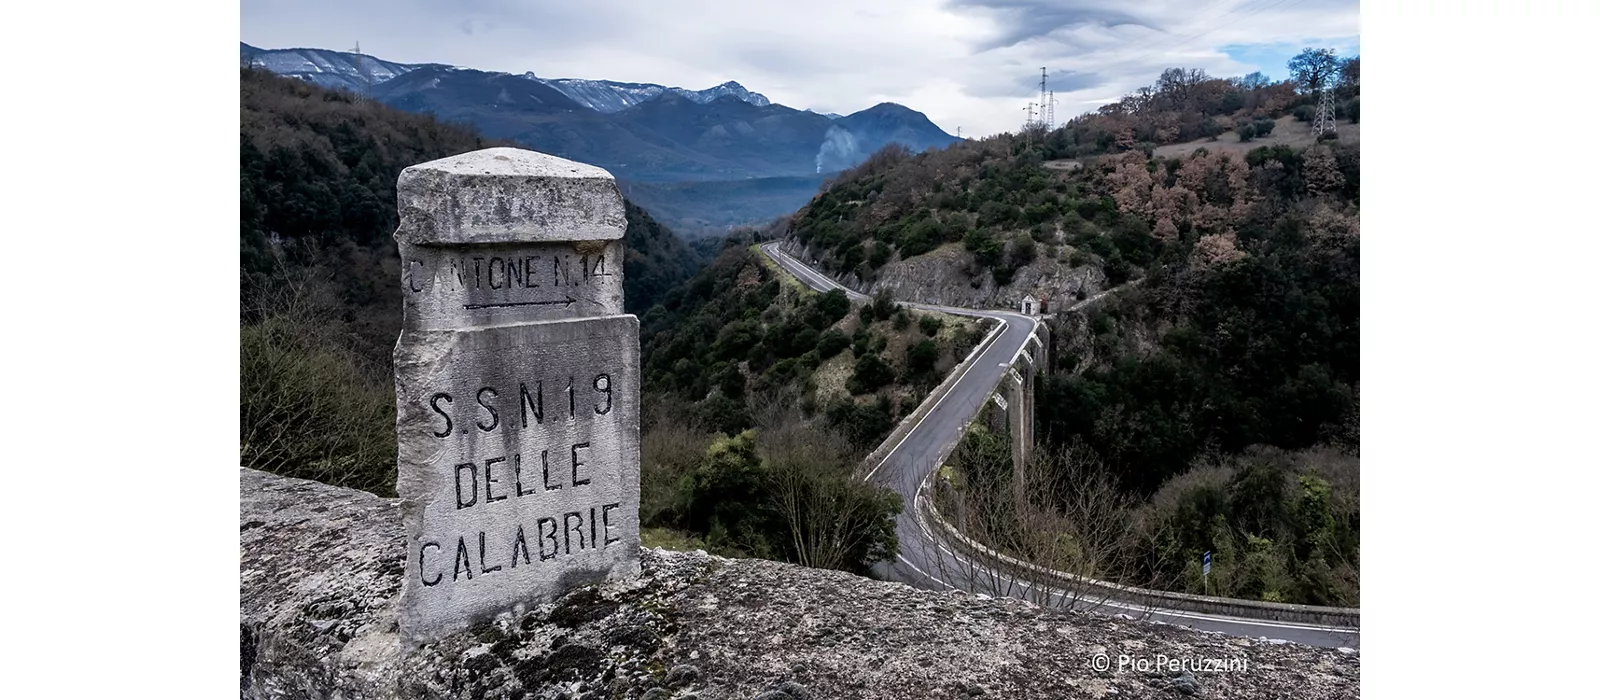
(935, 554)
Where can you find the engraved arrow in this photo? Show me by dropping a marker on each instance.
(506, 304)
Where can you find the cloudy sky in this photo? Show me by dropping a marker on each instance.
(972, 64)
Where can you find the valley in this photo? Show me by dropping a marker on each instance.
(1209, 405)
(703, 161)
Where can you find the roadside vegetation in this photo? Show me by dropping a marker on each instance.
(766, 395)
(1216, 403)
(1281, 526)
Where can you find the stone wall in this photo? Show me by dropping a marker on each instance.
(320, 571)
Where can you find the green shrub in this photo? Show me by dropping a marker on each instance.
(986, 249)
(1003, 275)
(1247, 132)
(831, 343)
(811, 360)
(921, 357)
(865, 425)
(880, 255)
(833, 305)
(730, 380)
(724, 492)
(930, 325)
(723, 414)
(902, 320)
(1021, 251)
(883, 305)
(871, 372)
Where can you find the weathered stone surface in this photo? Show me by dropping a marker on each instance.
(519, 465)
(507, 195)
(320, 572)
(517, 386)
(505, 235)
(464, 286)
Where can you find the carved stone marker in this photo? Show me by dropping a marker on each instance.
(517, 383)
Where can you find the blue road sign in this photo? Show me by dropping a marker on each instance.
(1206, 569)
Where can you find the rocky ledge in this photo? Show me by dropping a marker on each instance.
(320, 572)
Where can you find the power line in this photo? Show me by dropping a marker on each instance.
(1153, 41)
(1204, 33)
(1260, 8)
(1192, 37)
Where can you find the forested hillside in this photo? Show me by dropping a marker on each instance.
(1025, 200)
(764, 395)
(1187, 104)
(319, 273)
(760, 398)
(1217, 398)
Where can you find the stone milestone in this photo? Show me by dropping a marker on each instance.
(517, 384)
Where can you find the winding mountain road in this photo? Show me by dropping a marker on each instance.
(928, 560)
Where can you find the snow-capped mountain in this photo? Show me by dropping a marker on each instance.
(605, 96)
(358, 72)
(331, 69)
(610, 97)
(709, 95)
(699, 156)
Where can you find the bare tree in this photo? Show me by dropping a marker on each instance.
(1053, 542)
(1176, 85)
(1252, 81)
(830, 517)
(1349, 83)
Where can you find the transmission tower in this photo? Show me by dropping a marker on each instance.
(366, 80)
(958, 132)
(1050, 121)
(1324, 123)
(1044, 81)
(1029, 121)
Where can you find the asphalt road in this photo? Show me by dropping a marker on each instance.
(927, 561)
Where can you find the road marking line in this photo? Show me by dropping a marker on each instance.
(925, 574)
(1018, 580)
(999, 329)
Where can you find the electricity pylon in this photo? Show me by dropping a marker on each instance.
(1324, 123)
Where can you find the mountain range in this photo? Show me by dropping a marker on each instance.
(744, 158)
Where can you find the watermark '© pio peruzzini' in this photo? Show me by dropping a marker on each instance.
(1162, 663)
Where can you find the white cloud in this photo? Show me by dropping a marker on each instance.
(968, 63)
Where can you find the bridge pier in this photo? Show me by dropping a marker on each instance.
(1017, 388)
